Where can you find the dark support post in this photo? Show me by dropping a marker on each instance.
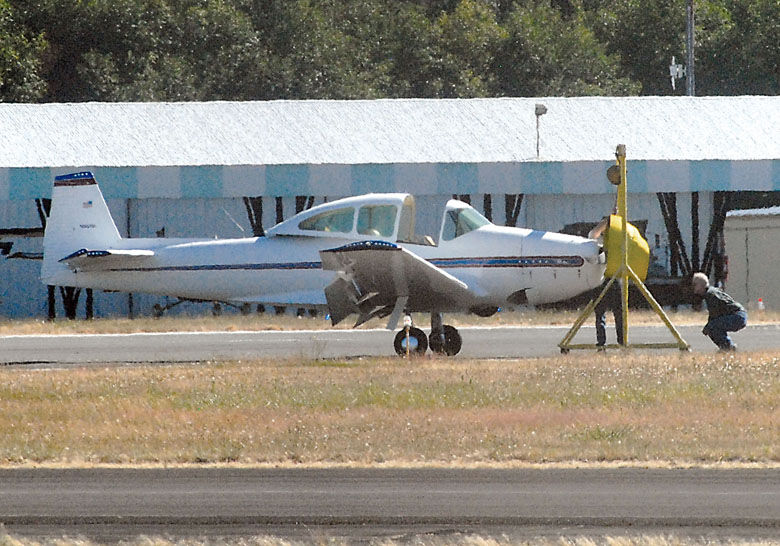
(673, 254)
(303, 202)
(70, 299)
(685, 263)
(52, 301)
(512, 204)
(679, 257)
(279, 210)
(487, 206)
(90, 311)
(254, 211)
(44, 208)
(695, 264)
(713, 252)
(466, 198)
(279, 218)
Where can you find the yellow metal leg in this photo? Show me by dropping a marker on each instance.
(681, 343)
(565, 343)
(624, 272)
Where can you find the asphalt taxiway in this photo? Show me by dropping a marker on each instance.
(357, 504)
(494, 342)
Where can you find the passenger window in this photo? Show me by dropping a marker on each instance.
(340, 220)
(461, 221)
(377, 220)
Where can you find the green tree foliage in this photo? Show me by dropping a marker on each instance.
(144, 49)
(20, 59)
(139, 50)
(738, 51)
(644, 34)
(735, 42)
(547, 53)
(469, 38)
(323, 49)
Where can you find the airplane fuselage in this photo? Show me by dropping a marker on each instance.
(495, 262)
(469, 265)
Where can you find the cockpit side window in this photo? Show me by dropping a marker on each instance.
(458, 222)
(378, 220)
(340, 220)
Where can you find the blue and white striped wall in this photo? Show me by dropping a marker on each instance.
(531, 178)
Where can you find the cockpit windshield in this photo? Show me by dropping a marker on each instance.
(377, 220)
(460, 221)
(340, 220)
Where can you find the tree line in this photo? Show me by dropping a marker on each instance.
(184, 50)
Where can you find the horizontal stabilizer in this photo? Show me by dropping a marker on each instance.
(100, 260)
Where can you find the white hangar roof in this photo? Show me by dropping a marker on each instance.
(422, 146)
(388, 131)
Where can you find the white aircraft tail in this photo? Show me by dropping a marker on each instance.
(79, 220)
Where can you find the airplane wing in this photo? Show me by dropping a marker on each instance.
(377, 278)
(300, 298)
(97, 260)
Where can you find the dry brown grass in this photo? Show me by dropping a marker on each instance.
(256, 322)
(641, 409)
(456, 540)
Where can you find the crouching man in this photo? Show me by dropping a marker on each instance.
(725, 314)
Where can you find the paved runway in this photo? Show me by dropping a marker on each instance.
(110, 504)
(501, 342)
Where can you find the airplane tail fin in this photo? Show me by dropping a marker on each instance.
(79, 220)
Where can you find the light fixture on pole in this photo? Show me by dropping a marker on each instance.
(539, 110)
(676, 72)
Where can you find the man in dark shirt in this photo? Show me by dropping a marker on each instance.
(613, 298)
(725, 314)
(613, 301)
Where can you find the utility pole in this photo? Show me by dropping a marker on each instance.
(691, 79)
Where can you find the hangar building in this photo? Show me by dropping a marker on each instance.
(752, 239)
(232, 169)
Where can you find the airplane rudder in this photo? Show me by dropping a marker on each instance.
(77, 202)
(79, 218)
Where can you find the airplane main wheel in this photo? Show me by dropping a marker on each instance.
(418, 342)
(449, 343)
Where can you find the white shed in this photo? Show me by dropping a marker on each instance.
(753, 245)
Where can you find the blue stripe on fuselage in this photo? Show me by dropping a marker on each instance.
(511, 261)
(444, 263)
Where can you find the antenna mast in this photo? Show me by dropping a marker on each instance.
(691, 79)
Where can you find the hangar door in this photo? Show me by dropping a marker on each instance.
(752, 247)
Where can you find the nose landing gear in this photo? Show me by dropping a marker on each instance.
(444, 339)
(416, 341)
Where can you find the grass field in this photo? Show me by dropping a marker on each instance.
(269, 321)
(648, 540)
(664, 408)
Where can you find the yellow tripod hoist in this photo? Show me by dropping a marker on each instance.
(628, 256)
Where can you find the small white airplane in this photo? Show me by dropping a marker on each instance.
(356, 255)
